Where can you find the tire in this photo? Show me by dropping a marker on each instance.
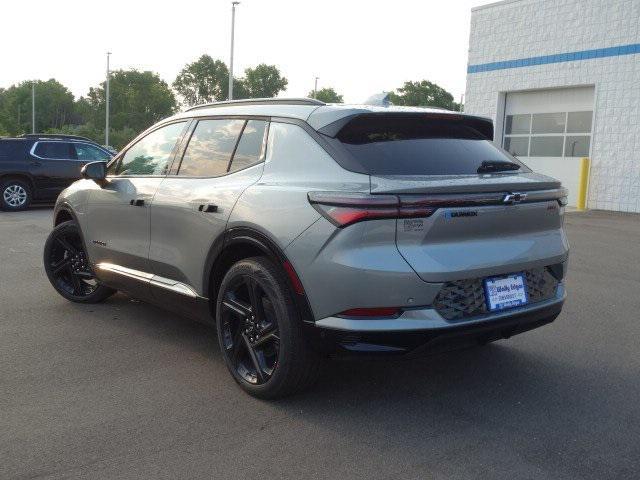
(15, 195)
(255, 311)
(67, 266)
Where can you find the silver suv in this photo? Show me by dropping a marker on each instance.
(303, 229)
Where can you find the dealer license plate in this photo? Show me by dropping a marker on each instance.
(505, 292)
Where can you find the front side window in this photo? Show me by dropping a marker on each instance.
(54, 150)
(90, 153)
(210, 148)
(151, 155)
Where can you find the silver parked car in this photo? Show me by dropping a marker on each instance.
(304, 230)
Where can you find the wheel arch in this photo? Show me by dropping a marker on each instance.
(239, 243)
(64, 214)
(25, 177)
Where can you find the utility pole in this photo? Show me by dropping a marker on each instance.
(233, 25)
(106, 93)
(315, 88)
(462, 102)
(33, 107)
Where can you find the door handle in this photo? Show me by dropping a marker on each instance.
(208, 208)
(137, 203)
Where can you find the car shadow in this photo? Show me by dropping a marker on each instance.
(472, 398)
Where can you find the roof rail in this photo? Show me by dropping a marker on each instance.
(260, 101)
(54, 135)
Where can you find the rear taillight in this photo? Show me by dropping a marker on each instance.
(344, 209)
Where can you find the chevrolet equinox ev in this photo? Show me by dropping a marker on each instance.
(304, 230)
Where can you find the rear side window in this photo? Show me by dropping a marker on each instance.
(54, 150)
(418, 145)
(210, 148)
(250, 145)
(89, 153)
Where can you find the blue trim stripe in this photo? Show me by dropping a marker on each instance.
(631, 49)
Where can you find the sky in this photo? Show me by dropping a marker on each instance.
(357, 47)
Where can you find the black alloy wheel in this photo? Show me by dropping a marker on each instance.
(250, 333)
(68, 268)
(260, 331)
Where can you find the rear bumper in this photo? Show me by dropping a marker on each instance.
(424, 331)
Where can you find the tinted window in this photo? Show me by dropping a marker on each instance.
(90, 153)
(54, 150)
(151, 154)
(210, 148)
(417, 145)
(250, 145)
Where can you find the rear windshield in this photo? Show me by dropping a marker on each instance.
(418, 145)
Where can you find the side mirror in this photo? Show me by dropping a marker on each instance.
(96, 171)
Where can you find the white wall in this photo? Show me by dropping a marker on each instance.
(529, 28)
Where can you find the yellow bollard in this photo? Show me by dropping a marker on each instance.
(582, 184)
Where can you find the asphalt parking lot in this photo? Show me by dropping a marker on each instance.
(125, 390)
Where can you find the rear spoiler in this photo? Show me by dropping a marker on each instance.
(481, 124)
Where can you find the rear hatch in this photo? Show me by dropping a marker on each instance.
(478, 211)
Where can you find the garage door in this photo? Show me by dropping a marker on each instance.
(550, 130)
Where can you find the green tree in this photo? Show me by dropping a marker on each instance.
(54, 106)
(423, 94)
(138, 100)
(264, 81)
(327, 95)
(205, 80)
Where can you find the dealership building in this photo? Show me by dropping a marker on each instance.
(561, 80)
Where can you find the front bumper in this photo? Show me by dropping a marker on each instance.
(424, 331)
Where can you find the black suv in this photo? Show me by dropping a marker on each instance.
(38, 167)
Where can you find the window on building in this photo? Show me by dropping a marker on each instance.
(552, 134)
(579, 122)
(518, 124)
(548, 123)
(577, 145)
(546, 146)
(517, 146)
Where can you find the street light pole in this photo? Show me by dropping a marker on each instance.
(33, 107)
(106, 93)
(233, 25)
(315, 89)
